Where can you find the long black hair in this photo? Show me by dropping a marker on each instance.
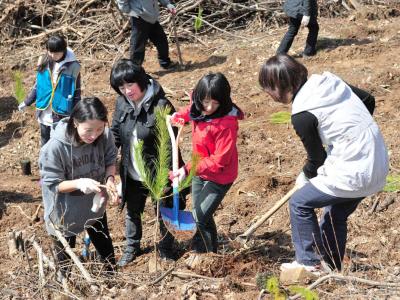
(55, 43)
(125, 71)
(282, 74)
(212, 86)
(90, 108)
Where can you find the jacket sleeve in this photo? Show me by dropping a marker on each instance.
(164, 2)
(224, 143)
(183, 113)
(111, 151)
(51, 167)
(77, 94)
(306, 7)
(31, 98)
(123, 6)
(366, 98)
(116, 124)
(306, 126)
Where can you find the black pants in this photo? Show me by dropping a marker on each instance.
(143, 31)
(44, 134)
(136, 195)
(311, 42)
(99, 236)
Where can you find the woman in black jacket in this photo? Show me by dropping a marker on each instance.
(134, 120)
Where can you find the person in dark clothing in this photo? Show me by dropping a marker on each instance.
(301, 13)
(134, 120)
(347, 159)
(145, 26)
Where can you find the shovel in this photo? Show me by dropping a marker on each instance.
(179, 223)
(244, 237)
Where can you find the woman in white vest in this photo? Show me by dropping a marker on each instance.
(347, 159)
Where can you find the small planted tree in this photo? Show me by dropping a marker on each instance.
(156, 181)
(280, 117)
(19, 87)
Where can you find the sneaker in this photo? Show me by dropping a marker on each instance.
(166, 255)
(171, 66)
(128, 257)
(315, 270)
(308, 55)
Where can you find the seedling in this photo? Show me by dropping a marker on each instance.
(281, 117)
(19, 87)
(392, 183)
(198, 21)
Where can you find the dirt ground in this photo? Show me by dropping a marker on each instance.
(363, 49)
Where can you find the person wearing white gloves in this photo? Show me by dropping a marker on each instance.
(347, 159)
(75, 164)
(57, 88)
(301, 13)
(146, 26)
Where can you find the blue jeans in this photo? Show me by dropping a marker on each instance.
(294, 25)
(143, 31)
(206, 197)
(326, 240)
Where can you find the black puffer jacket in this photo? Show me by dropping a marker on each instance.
(124, 121)
(299, 8)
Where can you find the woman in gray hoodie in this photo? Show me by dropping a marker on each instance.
(78, 158)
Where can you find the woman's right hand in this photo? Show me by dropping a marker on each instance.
(176, 119)
(87, 185)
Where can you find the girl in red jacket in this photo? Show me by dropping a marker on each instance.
(214, 132)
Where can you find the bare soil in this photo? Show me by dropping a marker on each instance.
(363, 49)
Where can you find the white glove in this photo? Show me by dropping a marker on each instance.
(22, 106)
(301, 180)
(171, 8)
(98, 201)
(119, 189)
(87, 185)
(305, 20)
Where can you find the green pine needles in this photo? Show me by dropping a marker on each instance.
(392, 183)
(198, 21)
(281, 117)
(156, 182)
(19, 87)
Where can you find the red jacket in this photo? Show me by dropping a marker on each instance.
(215, 142)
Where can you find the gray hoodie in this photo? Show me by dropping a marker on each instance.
(59, 161)
(148, 10)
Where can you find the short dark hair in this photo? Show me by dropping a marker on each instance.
(282, 74)
(213, 86)
(125, 71)
(90, 108)
(55, 43)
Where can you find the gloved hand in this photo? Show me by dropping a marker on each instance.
(180, 173)
(301, 180)
(22, 106)
(171, 8)
(119, 189)
(87, 185)
(98, 201)
(176, 120)
(305, 20)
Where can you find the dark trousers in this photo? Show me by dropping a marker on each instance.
(135, 196)
(44, 134)
(143, 31)
(311, 42)
(206, 197)
(327, 240)
(99, 236)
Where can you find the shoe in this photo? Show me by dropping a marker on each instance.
(171, 66)
(308, 55)
(166, 255)
(128, 257)
(315, 270)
